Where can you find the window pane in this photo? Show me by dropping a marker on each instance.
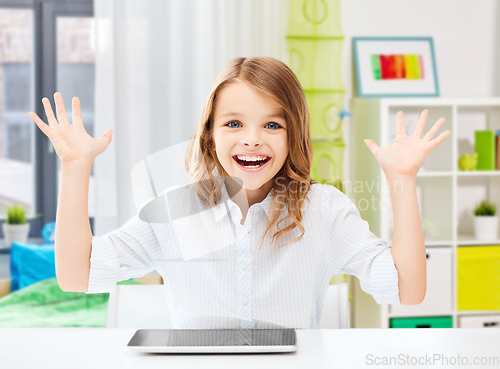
(16, 101)
(75, 75)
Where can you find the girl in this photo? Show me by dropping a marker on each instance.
(283, 236)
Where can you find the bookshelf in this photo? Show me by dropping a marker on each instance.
(446, 196)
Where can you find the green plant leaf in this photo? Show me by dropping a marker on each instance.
(485, 208)
(16, 214)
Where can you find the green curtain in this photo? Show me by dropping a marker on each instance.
(315, 43)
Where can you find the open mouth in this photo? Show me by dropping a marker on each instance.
(251, 164)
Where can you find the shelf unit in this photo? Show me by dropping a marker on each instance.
(446, 195)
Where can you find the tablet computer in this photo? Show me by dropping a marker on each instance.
(213, 340)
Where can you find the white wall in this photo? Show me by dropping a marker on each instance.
(465, 34)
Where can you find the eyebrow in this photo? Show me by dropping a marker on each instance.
(239, 115)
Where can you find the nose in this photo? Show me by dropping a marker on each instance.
(251, 144)
(252, 138)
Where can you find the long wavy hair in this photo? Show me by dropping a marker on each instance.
(276, 81)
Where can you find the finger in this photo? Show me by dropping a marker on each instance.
(106, 137)
(41, 124)
(428, 136)
(49, 113)
(400, 126)
(421, 124)
(108, 133)
(439, 139)
(60, 111)
(374, 148)
(77, 111)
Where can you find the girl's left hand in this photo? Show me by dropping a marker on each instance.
(405, 156)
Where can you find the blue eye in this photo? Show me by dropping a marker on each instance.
(272, 124)
(232, 126)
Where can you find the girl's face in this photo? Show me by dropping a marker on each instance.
(250, 135)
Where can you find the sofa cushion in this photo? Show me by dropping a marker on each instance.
(30, 264)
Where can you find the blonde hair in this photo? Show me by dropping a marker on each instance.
(276, 81)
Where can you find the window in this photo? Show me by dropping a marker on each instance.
(45, 46)
(16, 91)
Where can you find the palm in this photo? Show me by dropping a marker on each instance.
(68, 143)
(406, 155)
(71, 141)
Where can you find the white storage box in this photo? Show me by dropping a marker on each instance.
(438, 298)
(479, 321)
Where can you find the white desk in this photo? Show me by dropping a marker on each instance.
(96, 348)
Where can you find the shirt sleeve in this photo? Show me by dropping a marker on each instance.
(355, 250)
(128, 252)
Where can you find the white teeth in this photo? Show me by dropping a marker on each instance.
(251, 158)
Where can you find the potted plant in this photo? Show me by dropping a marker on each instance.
(485, 221)
(15, 227)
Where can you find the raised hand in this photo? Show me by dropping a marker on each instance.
(71, 141)
(406, 155)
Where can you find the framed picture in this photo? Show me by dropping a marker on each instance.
(395, 67)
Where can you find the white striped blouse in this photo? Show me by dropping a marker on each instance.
(216, 277)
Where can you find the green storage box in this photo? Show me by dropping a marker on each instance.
(325, 123)
(314, 18)
(485, 147)
(423, 322)
(317, 64)
(327, 165)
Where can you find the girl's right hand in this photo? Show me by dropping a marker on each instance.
(71, 141)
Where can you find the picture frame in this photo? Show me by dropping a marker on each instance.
(395, 67)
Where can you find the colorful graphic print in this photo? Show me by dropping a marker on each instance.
(397, 67)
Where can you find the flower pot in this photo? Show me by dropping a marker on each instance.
(15, 232)
(486, 227)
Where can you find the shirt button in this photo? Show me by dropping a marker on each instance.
(245, 301)
(245, 266)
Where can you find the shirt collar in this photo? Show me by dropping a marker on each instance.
(266, 203)
(226, 204)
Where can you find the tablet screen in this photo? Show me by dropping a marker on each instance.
(213, 337)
